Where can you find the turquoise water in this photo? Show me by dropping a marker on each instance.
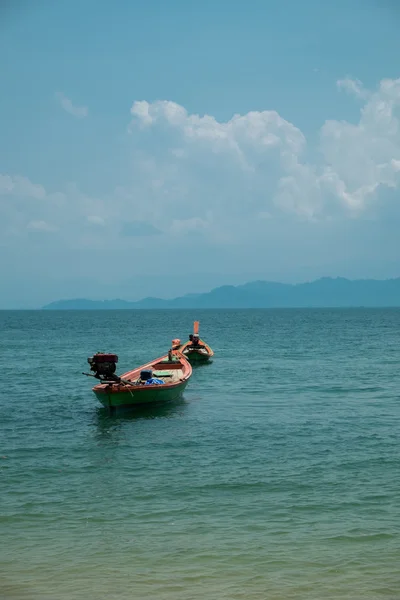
(276, 477)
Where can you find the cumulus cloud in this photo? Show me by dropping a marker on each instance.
(353, 87)
(193, 172)
(240, 136)
(247, 190)
(20, 186)
(363, 157)
(258, 163)
(76, 111)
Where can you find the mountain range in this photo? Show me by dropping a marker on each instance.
(324, 292)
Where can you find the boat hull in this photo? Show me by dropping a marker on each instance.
(174, 372)
(197, 357)
(140, 396)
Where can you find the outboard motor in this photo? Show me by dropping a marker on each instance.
(104, 366)
(146, 374)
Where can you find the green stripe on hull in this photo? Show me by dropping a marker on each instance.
(142, 397)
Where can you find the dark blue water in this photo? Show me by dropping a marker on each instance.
(276, 476)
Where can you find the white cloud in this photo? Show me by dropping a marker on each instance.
(364, 156)
(193, 172)
(20, 186)
(140, 110)
(41, 226)
(76, 111)
(240, 136)
(245, 191)
(353, 86)
(257, 163)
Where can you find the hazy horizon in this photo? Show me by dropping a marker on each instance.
(321, 292)
(111, 292)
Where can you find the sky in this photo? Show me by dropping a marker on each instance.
(153, 148)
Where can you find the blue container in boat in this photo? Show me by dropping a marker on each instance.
(146, 374)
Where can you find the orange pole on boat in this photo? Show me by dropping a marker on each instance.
(196, 327)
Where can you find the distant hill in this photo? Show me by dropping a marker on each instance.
(325, 292)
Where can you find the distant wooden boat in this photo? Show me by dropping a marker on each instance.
(161, 380)
(195, 349)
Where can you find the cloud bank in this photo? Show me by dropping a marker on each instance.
(260, 161)
(248, 191)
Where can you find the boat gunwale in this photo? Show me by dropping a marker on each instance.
(118, 388)
(197, 350)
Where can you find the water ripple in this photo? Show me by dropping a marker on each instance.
(275, 478)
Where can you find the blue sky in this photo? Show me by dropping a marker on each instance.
(154, 148)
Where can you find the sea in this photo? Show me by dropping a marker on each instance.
(275, 477)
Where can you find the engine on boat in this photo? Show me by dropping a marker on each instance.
(104, 366)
